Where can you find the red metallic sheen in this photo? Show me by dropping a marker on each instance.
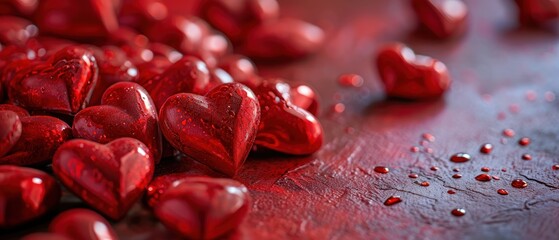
(126, 110)
(217, 77)
(217, 129)
(442, 18)
(25, 194)
(537, 12)
(82, 224)
(62, 84)
(203, 208)
(409, 76)
(10, 130)
(110, 178)
(284, 127)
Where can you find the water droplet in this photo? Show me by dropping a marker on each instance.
(433, 168)
(424, 184)
(508, 132)
(429, 137)
(428, 150)
(502, 192)
(514, 108)
(381, 169)
(413, 175)
(524, 141)
(501, 116)
(555, 167)
(183, 122)
(526, 157)
(392, 200)
(496, 177)
(486, 148)
(519, 183)
(483, 177)
(460, 157)
(414, 149)
(531, 95)
(338, 108)
(458, 212)
(549, 96)
(451, 191)
(456, 169)
(503, 170)
(350, 80)
(485, 169)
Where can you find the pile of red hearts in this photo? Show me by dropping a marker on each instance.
(103, 90)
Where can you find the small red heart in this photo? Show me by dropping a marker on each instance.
(217, 130)
(10, 130)
(183, 33)
(63, 84)
(443, 18)
(284, 127)
(537, 12)
(203, 208)
(188, 75)
(40, 137)
(82, 224)
(110, 178)
(409, 76)
(126, 111)
(25, 194)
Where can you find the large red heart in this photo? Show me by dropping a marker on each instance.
(285, 127)
(25, 194)
(63, 84)
(443, 18)
(110, 178)
(82, 224)
(203, 208)
(409, 76)
(10, 130)
(537, 12)
(188, 75)
(217, 130)
(126, 111)
(40, 137)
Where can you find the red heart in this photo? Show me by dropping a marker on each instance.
(63, 84)
(241, 69)
(126, 111)
(284, 127)
(443, 18)
(21, 113)
(110, 178)
(203, 208)
(409, 76)
(10, 130)
(12, 7)
(537, 12)
(303, 96)
(217, 77)
(25, 194)
(217, 130)
(188, 75)
(82, 224)
(40, 137)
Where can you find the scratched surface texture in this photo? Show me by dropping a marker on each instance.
(335, 194)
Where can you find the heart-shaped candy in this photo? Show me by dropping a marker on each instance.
(82, 224)
(63, 84)
(10, 130)
(537, 12)
(217, 130)
(25, 194)
(442, 18)
(40, 137)
(203, 208)
(241, 69)
(188, 75)
(303, 96)
(110, 178)
(126, 111)
(409, 76)
(284, 127)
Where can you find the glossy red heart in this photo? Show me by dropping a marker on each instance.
(10, 130)
(40, 137)
(88, 19)
(110, 178)
(19, 7)
(183, 33)
(14, 30)
(409, 76)
(537, 12)
(25, 194)
(283, 39)
(82, 224)
(305, 97)
(188, 75)
(217, 77)
(236, 18)
(241, 69)
(21, 113)
(442, 18)
(159, 185)
(63, 84)
(284, 127)
(126, 111)
(217, 129)
(203, 208)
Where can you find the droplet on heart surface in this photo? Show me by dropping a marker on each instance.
(483, 177)
(555, 167)
(433, 168)
(424, 184)
(485, 169)
(496, 177)
(524, 141)
(413, 175)
(508, 132)
(486, 148)
(457, 176)
(450, 191)
(458, 212)
(350, 80)
(502, 192)
(392, 200)
(519, 183)
(381, 169)
(460, 157)
(526, 157)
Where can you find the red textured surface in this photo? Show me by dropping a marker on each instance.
(336, 194)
